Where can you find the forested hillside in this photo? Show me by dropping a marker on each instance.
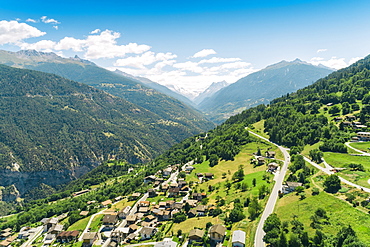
(53, 129)
(174, 113)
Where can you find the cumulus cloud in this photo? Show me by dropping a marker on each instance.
(145, 59)
(219, 60)
(45, 19)
(55, 27)
(31, 20)
(334, 62)
(44, 45)
(14, 32)
(321, 50)
(95, 31)
(103, 45)
(204, 53)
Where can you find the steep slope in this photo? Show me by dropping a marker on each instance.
(156, 86)
(261, 87)
(174, 112)
(53, 129)
(211, 90)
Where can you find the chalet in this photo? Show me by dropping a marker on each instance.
(208, 175)
(49, 223)
(144, 203)
(167, 242)
(270, 154)
(181, 184)
(133, 228)
(217, 233)
(84, 213)
(164, 187)
(199, 175)
(177, 205)
(124, 212)
(131, 219)
(338, 119)
(192, 213)
(167, 172)
(149, 218)
(8, 241)
(188, 169)
(81, 192)
(201, 210)
(192, 203)
(106, 203)
(56, 229)
(162, 205)
(140, 215)
(67, 236)
(144, 210)
(173, 185)
(196, 235)
(363, 136)
(173, 192)
(119, 234)
(25, 232)
(136, 195)
(152, 193)
(5, 233)
(198, 196)
(49, 239)
(359, 126)
(166, 215)
(110, 220)
(272, 167)
(350, 118)
(147, 232)
(169, 204)
(149, 179)
(238, 239)
(173, 212)
(88, 238)
(347, 124)
(290, 186)
(118, 198)
(260, 160)
(159, 180)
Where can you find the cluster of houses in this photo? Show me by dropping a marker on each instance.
(6, 237)
(350, 121)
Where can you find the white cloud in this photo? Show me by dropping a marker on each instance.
(145, 59)
(219, 60)
(204, 53)
(333, 62)
(31, 20)
(14, 32)
(95, 31)
(353, 60)
(45, 19)
(56, 27)
(321, 50)
(43, 45)
(69, 43)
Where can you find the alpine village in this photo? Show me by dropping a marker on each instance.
(97, 157)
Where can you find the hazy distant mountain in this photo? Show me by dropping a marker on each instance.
(157, 86)
(212, 89)
(185, 120)
(261, 87)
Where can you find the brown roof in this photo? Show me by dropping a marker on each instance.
(107, 202)
(196, 233)
(69, 234)
(89, 235)
(84, 213)
(109, 218)
(220, 229)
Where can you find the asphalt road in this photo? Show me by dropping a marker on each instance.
(279, 178)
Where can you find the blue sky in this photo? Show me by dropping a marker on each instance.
(159, 39)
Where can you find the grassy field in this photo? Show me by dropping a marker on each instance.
(340, 213)
(363, 146)
(341, 160)
(79, 225)
(122, 204)
(190, 224)
(96, 223)
(259, 128)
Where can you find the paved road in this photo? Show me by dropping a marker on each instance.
(327, 171)
(32, 238)
(279, 178)
(357, 150)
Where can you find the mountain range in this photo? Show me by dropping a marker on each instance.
(260, 88)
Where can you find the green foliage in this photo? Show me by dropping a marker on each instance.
(332, 183)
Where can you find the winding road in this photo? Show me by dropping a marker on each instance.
(258, 240)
